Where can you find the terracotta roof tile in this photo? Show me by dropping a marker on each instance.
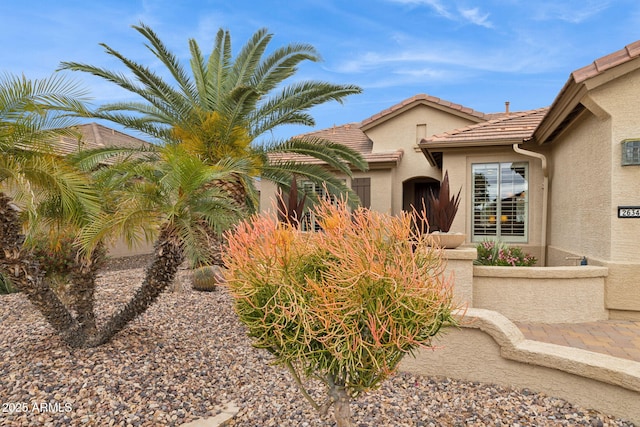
(349, 135)
(604, 63)
(514, 126)
(95, 136)
(422, 98)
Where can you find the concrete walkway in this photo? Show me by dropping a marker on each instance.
(613, 337)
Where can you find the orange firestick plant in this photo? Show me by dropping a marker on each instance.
(343, 305)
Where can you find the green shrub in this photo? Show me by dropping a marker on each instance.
(491, 252)
(343, 305)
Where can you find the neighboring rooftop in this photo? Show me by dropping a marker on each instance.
(95, 136)
(348, 134)
(351, 136)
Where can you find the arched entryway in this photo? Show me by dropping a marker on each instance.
(415, 193)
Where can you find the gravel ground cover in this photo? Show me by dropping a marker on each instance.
(188, 357)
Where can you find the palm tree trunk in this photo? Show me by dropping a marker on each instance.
(234, 189)
(83, 279)
(159, 275)
(28, 277)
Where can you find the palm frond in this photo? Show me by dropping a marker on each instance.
(89, 160)
(58, 93)
(218, 69)
(151, 87)
(337, 156)
(285, 107)
(169, 60)
(282, 64)
(199, 70)
(249, 58)
(157, 131)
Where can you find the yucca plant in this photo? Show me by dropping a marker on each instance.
(344, 305)
(291, 206)
(443, 208)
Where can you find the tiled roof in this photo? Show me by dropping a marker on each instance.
(95, 136)
(606, 62)
(422, 98)
(507, 128)
(567, 104)
(349, 135)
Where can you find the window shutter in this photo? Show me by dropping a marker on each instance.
(362, 187)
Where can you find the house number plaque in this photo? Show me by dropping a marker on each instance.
(628, 211)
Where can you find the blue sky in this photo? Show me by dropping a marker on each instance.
(475, 53)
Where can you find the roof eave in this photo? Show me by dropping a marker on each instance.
(612, 74)
(577, 87)
(429, 156)
(430, 145)
(566, 101)
(378, 121)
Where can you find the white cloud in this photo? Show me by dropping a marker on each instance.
(446, 63)
(434, 4)
(573, 12)
(465, 15)
(476, 17)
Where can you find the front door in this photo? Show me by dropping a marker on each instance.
(421, 199)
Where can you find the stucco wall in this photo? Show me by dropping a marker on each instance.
(382, 184)
(542, 294)
(400, 132)
(121, 249)
(580, 207)
(588, 185)
(459, 269)
(619, 99)
(491, 349)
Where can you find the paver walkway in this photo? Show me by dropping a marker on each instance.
(612, 337)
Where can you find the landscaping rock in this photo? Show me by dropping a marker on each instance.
(188, 357)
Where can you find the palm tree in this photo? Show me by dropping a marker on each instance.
(164, 195)
(224, 105)
(38, 186)
(188, 190)
(161, 192)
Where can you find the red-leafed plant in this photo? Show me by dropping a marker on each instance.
(290, 206)
(343, 305)
(442, 209)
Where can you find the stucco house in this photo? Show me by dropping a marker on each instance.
(562, 182)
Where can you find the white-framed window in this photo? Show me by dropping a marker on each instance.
(500, 201)
(309, 222)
